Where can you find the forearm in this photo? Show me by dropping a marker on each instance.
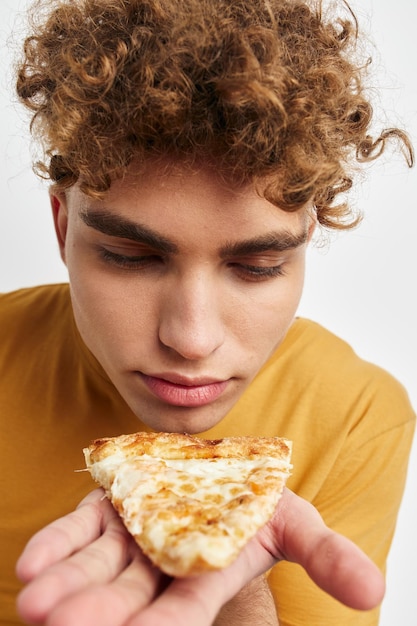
(252, 606)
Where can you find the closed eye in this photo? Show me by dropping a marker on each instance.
(257, 273)
(130, 262)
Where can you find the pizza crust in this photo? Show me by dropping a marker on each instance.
(191, 504)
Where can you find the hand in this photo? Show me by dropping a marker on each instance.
(86, 570)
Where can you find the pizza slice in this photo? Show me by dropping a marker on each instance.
(190, 503)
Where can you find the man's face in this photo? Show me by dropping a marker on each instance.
(182, 287)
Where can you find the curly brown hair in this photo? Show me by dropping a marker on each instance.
(268, 90)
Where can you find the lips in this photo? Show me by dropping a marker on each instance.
(179, 391)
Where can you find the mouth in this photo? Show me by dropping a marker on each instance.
(179, 391)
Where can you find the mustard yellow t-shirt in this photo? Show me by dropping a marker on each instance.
(351, 424)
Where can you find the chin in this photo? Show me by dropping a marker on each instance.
(190, 420)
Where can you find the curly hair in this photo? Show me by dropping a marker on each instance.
(268, 90)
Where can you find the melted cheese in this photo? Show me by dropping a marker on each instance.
(189, 515)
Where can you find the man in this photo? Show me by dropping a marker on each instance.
(193, 147)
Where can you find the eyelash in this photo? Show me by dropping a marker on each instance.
(129, 262)
(250, 273)
(257, 273)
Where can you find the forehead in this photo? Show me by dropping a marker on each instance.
(183, 199)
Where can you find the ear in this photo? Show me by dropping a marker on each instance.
(312, 226)
(311, 230)
(60, 215)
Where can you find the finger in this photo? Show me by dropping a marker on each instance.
(344, 571)
(100, 562)
(111, 604)
(65, 536)
(297, 533)
(198, 599)
(186, 601)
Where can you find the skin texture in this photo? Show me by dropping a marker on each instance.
(253, 605)
(186, 317)
(168, 317)
(85, 570)
(182, 323)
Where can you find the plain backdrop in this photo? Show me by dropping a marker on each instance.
(361, 285)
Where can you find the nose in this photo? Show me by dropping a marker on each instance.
(190, 317)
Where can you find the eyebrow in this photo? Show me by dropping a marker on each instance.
(274, 241)
(117, 226)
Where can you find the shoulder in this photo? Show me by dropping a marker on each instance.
(326, 368)
(307, 335)
(311, 346)
(30, 313)
(30, 301)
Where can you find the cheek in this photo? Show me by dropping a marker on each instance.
(276, 301)
(262, 322)
(101, 300)
(110, 318)
(272, 312)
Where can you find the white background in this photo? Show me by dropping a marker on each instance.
(362, 285)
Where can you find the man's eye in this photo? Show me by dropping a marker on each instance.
(130, 261)
(258, 272)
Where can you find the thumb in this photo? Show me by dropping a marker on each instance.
(297, 533)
